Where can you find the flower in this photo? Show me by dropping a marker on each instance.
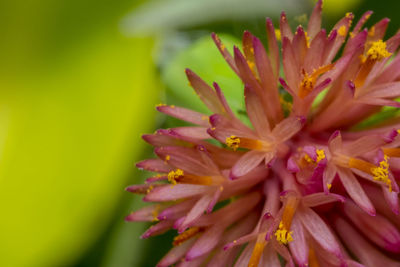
(300, 183)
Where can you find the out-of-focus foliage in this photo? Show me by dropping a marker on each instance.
(75, 95)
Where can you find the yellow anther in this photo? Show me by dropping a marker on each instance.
(223, 47)
(308, 82)
(378, 51)
(308, 158)
(278, 34)
(381, 173)
(342, 31)
(233, 142)
(307, 39)
(320, 155)
(329, 186)
(398, 131)
(148, 190)
(174, 175)
(203, 118)
(283, 236)
(160, 105)
(251, 65)
(306, 85)
(168, 157)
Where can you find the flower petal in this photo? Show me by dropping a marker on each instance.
(246, 163)
(355, 190)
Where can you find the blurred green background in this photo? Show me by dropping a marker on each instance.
(79, 80)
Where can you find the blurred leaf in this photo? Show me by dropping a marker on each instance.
(159, 16)
(72, 106)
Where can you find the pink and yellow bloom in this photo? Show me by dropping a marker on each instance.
(299, 184)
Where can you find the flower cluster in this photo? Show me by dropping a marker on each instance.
(299, 185)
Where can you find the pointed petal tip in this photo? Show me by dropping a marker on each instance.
(334, 135)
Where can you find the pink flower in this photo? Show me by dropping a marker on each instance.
(300, 183)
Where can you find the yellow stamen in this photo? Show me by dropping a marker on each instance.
(342, 30)
(148, 190)
(361, 165)
(381, 173)
(283, 236)
(251, 65)
(289, 211)
(233, 142)
(308, 82)
(278, 34)
(308, 158)
(174, 175)
(189, 233)
(329, 186)
(320, 155)
(378, 51)
(168, 157)
(257, 251)
(223, 47)
(392, 152)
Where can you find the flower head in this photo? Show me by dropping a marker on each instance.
(304, 185)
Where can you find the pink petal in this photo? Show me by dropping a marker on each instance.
(355, 190)
(299, 246)
(328, 176)
(285, 28)
(272, 46)
(185, 114)
(145, 214)
(318, 199)
(268, 81)
(184, 158)
(197, 210)
(192, 132)
(314, 24)
(154, 165)
(377, 228)
(176, 211)
(158, 229)
(287, 128)
(206, 242)
(205, 92)
(227, 56)
(255, 111)
(246, 163)
(319, 231)
(176, 253)
(175, 192)
(362, 21)
(367, 254)
(270, 257)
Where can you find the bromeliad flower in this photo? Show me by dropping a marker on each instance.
(299, 185)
